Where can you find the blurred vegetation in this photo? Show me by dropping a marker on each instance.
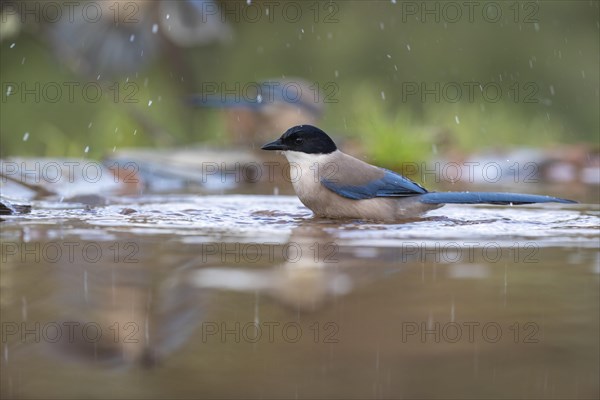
(371, 53)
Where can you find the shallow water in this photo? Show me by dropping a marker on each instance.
(248, 296)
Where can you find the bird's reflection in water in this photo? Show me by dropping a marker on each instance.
(313, 269)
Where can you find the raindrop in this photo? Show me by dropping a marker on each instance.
(302, 30)
(381, 26)
(552, 90)
(155, 28)
(248, 2)
(259, 98)
(114, 149)
(583, 74)
(85, 286)
(336, 73)
(395, 67)
(388, 55)
(132, 38)
(23, 61)
(98, 77)
(530, 63)
(393, 1)
(276, 191)
(382, 95)
(149, 103)
(12, 46)
(24, 308)
(456, 119)
(536, 26)
(25, 136)
(134, 132)
(9, 90)
(168, 16)
(408, 47)
(87, 149)
(90, 125)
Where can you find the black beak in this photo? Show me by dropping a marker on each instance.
(276, 145)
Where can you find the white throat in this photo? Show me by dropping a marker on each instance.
(304, 160)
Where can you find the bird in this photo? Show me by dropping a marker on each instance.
(333, 184)
(258, 110)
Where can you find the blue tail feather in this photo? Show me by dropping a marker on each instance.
(487, 198)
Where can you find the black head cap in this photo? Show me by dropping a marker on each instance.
(305, 139)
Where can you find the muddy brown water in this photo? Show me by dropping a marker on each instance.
(241, 296)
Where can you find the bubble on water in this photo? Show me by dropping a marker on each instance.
(132, 37)
(87, 149)
(12, 46)
(149, 103)
(25, 136)
(456, 119)
(155, 28)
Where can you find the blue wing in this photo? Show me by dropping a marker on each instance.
(390, 184)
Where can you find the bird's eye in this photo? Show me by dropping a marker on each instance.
(299, 140)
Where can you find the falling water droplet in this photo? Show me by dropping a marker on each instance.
(155, 28)
(132, 38)
(408, 47)
(9, 90)
(87, 149)
(12, 46)
(456, 119)
(382, 95)
(149, 103)
(25, 136)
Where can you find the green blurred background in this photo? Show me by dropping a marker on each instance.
(364, 53)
